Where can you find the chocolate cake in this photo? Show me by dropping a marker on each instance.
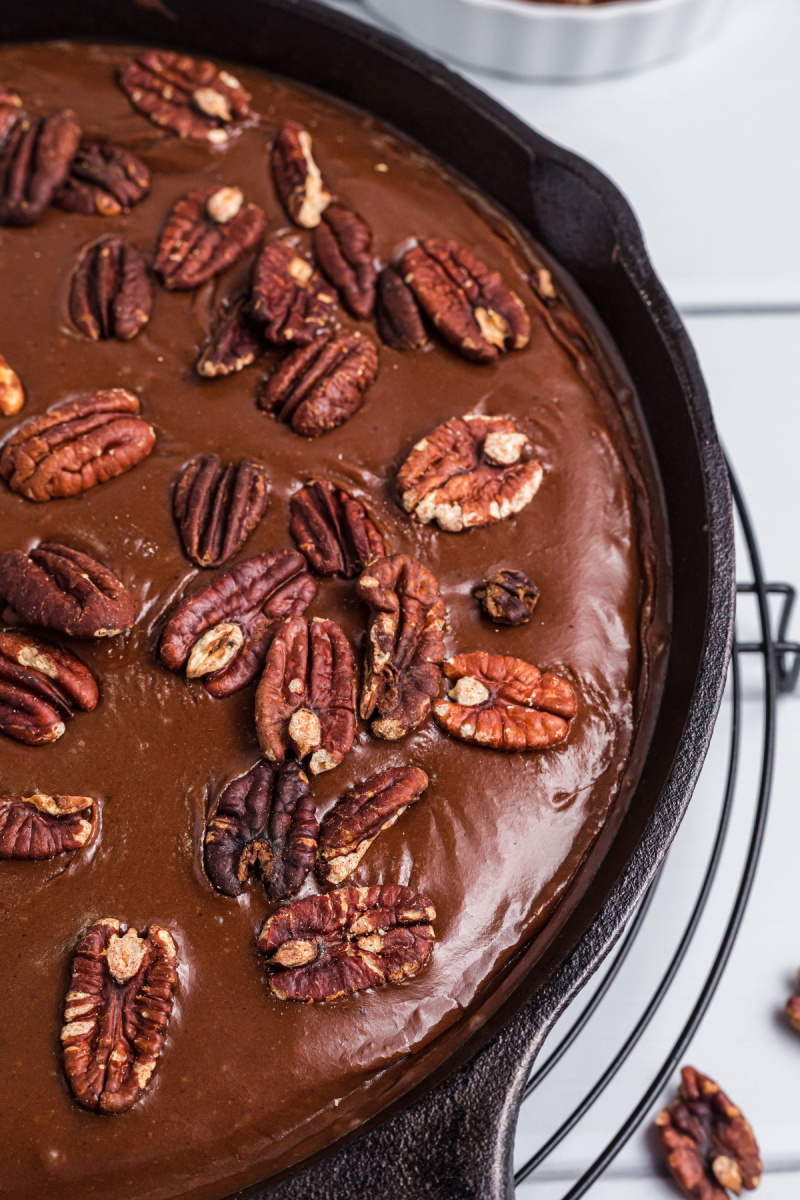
(334, 598)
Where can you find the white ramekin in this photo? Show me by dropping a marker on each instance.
(554, 41)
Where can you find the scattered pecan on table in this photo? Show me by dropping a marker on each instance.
(116, 1013)
(333, 530)
(467, 302)
(60, 588)
(793, 1010)
(306, 698)
(323, 947)
(194, 99)
(217, 508)
(320, 386)
(222, 632)
(104, 180)
(35, 156)
(710, 1147)
(110, 294)
(38, 827)
(352, 825)
(397, 314)
(341, 243)
(40, 687)
(297, 177)
(504, 703)
(405, 644)
(235, 343)
(290, 301)
(264, 823)
(77, 444)
(12, 397)
(471, 471)
(207, 231)
(508, 597)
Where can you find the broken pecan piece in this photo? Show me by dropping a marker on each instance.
(405, 644)
(217, 508)
(116, 1013)
(353, 938)
(35, 155)
(306, 699)
(222, 632)
(341, 243)
(297, 177)
(81, 442)
(320, 386)
(504, 703)
(59, 588)
(467, 302)
(352, 825)
(110, 295)
(710, 1147)
(39, 685)
(194, 99)
(265, 823)
(12, 396)
(207, 231)
(508, 597)
(37, 827)
(289, 298)
(234, 344)
(397, 313)
(333, 530)
(468, 472)
(104, 180)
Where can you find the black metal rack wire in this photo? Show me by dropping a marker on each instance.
(780, 659)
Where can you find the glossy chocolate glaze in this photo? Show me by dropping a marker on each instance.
(247, 1084)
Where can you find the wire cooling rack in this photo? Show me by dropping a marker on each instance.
(779, 667)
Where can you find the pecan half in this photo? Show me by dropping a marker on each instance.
(297, 177)
(504, 703)
(322, 385)
(222, 632)
(12, 396)
(37, 827)
(333, 530)
(352, 825)
(40, 685)
(710, 1147)
(217, 508)
(341, 243)
(207, 231)
(289, 298)
(59, 588)
(75, 445)
(35, 155)
(397, 313)
(116, 1013)
(323, 947)
(405, 644)
(234, 344)
(265, 823)
(306, 699)
(110, 295)
(508, 597)
(471, 471)
(104, 180)
(467, 302)
(194, 99)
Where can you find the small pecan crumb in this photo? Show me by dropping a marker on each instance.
(710, 1147)
(205, 233)
(104, 180)
(35, 156)
(37, 827)
(193, 99)
(342, 242)
(323, 947)
(234, 344)
(290, 302)
(40, 686)
(508, 597)
(110, 294)
(333, 530)
(397, 313)
(12, 396)
(297, 177)
(217, 508)
(60, 588)
(352, 825)
(320, 386)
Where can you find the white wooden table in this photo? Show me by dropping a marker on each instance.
(707, 149)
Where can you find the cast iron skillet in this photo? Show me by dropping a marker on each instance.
(455, 1141)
